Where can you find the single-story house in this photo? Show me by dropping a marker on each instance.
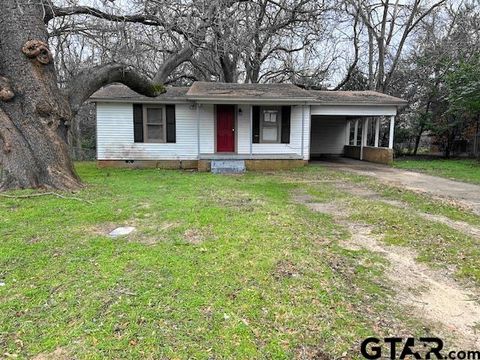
(256, 126)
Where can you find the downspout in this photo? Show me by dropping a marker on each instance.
(303, 129)
(198, 129)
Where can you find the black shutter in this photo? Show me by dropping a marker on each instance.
(286, 110)
(138, 122)
(256, 124)
(171, 131)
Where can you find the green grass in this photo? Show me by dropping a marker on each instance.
(467, 170)
(219, 267)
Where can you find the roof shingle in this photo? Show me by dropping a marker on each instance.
(355, 98)
(249, 92)
(213, 90)
(122, 92)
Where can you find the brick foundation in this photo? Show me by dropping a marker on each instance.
(200, 165)
(378, 155)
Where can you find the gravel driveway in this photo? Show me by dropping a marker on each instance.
(463, 193)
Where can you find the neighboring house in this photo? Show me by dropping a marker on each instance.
(265, 126)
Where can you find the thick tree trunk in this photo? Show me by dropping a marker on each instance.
(34, 122)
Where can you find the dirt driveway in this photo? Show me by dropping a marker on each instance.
(463, 193)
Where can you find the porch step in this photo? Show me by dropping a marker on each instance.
(227, 166)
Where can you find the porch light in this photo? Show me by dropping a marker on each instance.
(240, 111)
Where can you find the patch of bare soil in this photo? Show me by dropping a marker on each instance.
(104, 229)
(285, 269)
(58, 354)
(425, 293)
(366, 193)
(311, 353)
(152, 233)
(460, 226)
(148, 233)
(233, 199)
(197, 236)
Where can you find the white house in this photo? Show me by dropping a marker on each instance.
(264, 126)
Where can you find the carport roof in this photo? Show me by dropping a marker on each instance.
(323, 97)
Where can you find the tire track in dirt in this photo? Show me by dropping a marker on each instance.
(366, 193)
(424, 293)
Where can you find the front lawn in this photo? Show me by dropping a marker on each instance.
(218, 267)
(458, 169)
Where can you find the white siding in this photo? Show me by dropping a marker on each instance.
(115, 134)
(207, 129)
(295, 146)
(243, 129)
(328, 135)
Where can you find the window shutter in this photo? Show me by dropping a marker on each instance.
(137, 122)
(285, 137)
(171, 126)
(255, 124)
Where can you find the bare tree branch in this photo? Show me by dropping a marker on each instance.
(353, 65)
(172, 63)
(90, 80)
(52, 12)
(410, 26)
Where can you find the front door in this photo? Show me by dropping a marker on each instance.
(225, 128)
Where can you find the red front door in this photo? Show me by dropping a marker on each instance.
(225, 128)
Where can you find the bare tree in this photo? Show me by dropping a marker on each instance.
(389, 25)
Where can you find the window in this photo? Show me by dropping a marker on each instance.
(270, 129)
(154, 124)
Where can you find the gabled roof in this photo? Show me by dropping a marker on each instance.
(324, 97)
(255, 92)
(250, 93)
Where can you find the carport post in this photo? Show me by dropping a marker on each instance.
(365, 131)
(347, 133)
(392, 128)
(251, 130)
(363, 140)
(355, 135)
(377, 131)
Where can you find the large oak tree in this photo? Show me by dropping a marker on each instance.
(35, 113)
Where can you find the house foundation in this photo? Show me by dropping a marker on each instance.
(202, 165)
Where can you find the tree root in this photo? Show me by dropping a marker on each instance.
(28, 196)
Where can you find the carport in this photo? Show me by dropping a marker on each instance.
(355, 124)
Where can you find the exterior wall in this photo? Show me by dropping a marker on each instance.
(207, 128)
(260, 165)
(115, 134)
(149, 164)
(378, 155)
(200, 165)
(327, 135)
(295, 146)
(352, 151)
